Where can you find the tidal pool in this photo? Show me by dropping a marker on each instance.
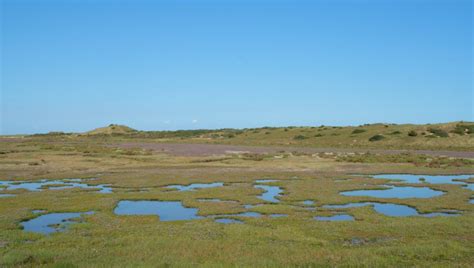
(433, 179)
(248, 214)
(6, 195)
(278, 215)
(52, 222)
(165, 210)
(400, 192)
(308, 202)
(271, 193)
(52, 185)
(195, 186)
(337, 217)
(393, 210)
(228, 221)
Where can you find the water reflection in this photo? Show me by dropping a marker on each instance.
(393, 210)
(228, 221)
(400, 192)
(433, 179)
(53, 222)
(195, 186)
(337, 217)
(165, 210)
(52, 185)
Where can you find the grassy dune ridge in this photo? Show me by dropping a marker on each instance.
(445, 136)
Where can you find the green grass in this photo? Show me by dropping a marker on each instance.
(415, 159)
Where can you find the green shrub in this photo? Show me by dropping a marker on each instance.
(377, 137)
(462, 129)
(438, 132)
(358, 130)
(412, 133)
(299, 137)
(395, 133)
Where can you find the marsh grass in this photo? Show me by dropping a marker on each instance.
(415, 159)
(108, 240)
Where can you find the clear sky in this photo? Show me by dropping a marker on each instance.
(75, 65)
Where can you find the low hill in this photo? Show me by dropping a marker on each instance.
(446, 136)
(453, 136)
(111, 130)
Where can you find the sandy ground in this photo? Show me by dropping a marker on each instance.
(184, 149)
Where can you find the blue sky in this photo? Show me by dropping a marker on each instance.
(76, 65)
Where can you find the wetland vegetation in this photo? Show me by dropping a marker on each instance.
(121, 197)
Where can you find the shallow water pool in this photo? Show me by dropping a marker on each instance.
(195, 186)
(433, 179)
(400, 192)
(228, 221)
(41, 185)
(165, 210)
(393, 210)
(52, 222)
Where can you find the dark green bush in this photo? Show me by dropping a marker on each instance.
(462, 129)
(299, 137)
(358, 130)
(377, 137)
(412, 133)
(438, 132)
